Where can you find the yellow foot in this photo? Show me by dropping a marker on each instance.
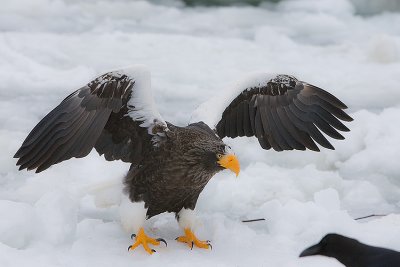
(191, 240)
(142, 239)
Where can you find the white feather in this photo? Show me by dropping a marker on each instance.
(210, 112)
(141, 104)
(132, 214)
(187, 218)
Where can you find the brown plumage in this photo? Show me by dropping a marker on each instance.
(171, 165)
(186, 160)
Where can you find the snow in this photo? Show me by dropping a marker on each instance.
(49, 48)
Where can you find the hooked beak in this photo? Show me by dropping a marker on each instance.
(230, 162)
(313, 250)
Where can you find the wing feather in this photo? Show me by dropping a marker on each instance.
(43, 127)
(227, 128)
(320, 93)
(325, 127)
(290, 141)
(248, 130)
(284, 113)
(269, 129)
(258, 124)
(252, 113)
(307, 125)
(232, 124)
(115, 113)
(240, 128)
(32, 153)
(65, 144)
(304, 132)
(330, 119)
(276, 127)
(312, 112)
(291, 131)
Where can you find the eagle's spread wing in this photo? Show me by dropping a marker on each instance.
(115, 113)
(283, 113)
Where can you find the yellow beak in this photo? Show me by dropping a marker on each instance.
(230, 162)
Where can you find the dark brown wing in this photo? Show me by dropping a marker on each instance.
(285, 114)
(107, 114)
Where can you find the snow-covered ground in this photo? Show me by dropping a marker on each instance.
(49, 48)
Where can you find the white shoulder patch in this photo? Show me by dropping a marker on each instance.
(141, 104)
(210, 112)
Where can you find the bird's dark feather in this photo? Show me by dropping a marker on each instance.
(287, 113)
(185, 162)
(352, 253)
(171, 165)
(94, 116)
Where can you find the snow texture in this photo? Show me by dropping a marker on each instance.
(49, 48)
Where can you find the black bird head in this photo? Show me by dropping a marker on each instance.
(352, 253)
(331, 245)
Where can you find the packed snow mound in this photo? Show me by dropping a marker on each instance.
(69, 214)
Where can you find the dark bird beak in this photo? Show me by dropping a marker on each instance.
(313, 250)
(230, 162)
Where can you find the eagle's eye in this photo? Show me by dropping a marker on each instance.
(219, 156)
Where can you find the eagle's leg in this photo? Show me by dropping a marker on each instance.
(191, 240)
(144, 240)
(186, 220)
(133, 216)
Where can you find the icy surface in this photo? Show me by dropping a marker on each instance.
(66, 216)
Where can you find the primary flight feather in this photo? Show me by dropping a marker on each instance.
(170, 165)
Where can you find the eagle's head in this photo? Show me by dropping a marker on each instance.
(228, 160)
(219, 156)
(201, 147)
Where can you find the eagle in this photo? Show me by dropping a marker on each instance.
(170, 165)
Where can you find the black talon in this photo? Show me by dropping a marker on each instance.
(129, 248)
(177, 238)
(153, 250)
(192, 246)
(132, 236)
(209, 245)
(162, 240)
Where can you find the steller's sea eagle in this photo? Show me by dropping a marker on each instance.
(170, 165)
